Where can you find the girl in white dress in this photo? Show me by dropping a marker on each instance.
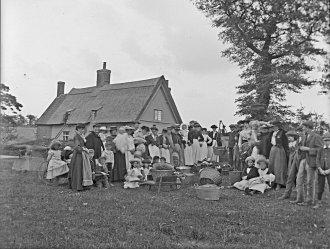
(187, 146)
(56, 167)
(204, 150)
(134, 175)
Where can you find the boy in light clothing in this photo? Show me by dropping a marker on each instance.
(108, 154)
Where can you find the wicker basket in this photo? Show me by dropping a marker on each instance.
(160, 173)
(208, 192)
(210, 176)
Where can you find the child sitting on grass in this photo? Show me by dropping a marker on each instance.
(262, 181)
(101, 173)
(56, 167)
(108, 154)
(146, 165)
(134, 175)
(250, 171)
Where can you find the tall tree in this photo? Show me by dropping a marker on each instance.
(31, 119)
(272, 41)
(8, 101)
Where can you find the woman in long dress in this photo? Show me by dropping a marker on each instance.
(278, 155)
(121, 144)
(129, 153)
(195, 137)
(204, 150)
(164, 146)
(188, 157)
(80, 174)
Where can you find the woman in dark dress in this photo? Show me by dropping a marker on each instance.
(278, 156)
(80, 174)
(121, 146)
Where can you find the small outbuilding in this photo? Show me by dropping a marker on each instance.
(147, 101)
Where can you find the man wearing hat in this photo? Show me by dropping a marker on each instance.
(293, 164)
(323, 167)
(216, 141)
(311, 143)
(93, 141)
(177, 143)
(152, 142)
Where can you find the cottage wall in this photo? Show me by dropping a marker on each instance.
(158, 103)
(44, 131)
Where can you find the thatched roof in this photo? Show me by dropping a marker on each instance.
(115, 103)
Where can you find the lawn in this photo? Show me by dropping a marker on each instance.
(35, 215)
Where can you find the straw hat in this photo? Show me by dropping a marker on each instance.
(67, 148)
(250, 158)
(138, 160)
(103, 128)
(262, 159)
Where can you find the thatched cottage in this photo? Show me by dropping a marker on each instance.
(147, 101)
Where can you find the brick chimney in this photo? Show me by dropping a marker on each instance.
(103, 76)
(60, 88)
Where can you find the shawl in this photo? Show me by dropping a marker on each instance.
(121, 142)
(87, 171)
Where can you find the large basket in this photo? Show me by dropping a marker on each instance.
(208, 192)
(160, 173)
(210, 176)
(234, 176)
(218, 151)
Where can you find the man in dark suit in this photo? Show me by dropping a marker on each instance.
(152, 142)
(311, 143)
(215, 135)
(93, 141)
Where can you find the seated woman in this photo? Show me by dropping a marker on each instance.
(56, 167)
(263, 181)
(250, 171)
(134, 175)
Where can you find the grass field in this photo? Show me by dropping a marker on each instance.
(35, 215)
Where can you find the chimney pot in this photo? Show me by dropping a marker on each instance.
(60, 88)
(103, 76)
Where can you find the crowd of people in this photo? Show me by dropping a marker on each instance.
(268, 155)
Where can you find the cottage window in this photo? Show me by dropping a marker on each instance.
(66, 135)
(158, 115)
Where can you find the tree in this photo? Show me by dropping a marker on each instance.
(8, 101)
(31, 119)
(9, 122)
(272, 41)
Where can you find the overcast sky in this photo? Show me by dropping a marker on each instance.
(45, 41)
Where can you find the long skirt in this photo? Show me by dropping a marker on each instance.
(128, 157)
(76, 171)
(56, 168)
(119, 170)
(196, 151)
(203, 151)
(241, 185)
(165, 153)
(278, 164)
(153, 150)
(188, 156)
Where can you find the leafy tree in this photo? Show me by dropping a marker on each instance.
(272, 41)
(8, 101)
(8, 122)
(31, 119)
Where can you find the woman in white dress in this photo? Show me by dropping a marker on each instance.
(129, 153)
(195, 136)
(187, 146)
(204, 150)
